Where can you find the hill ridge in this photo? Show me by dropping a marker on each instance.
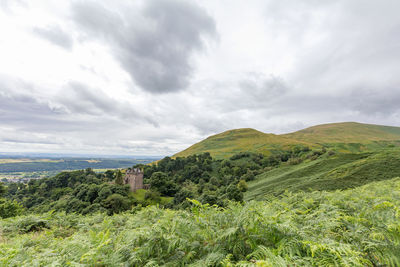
(233, 141)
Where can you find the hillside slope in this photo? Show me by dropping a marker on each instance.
(344, 137)
(341, 171)
(231, 142)
(346, 132)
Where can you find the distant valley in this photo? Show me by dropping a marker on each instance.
(22, 168)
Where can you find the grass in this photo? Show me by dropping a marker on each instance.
(342, 137)
(355, 227)
(140, 196)
(232, 142)
(347, 132)
(340, 171)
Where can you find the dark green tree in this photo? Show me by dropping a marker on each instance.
(234, 193)
(9, 208)
(118, 178)
(116, 204)
(2, 190)
(163, 184)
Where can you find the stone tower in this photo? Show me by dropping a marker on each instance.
(134, 177)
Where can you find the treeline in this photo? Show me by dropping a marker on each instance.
(212, 181)
(199, 177)
(82, 191)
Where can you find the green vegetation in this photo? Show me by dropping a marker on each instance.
(324, 196)
(150, 197)
(229, 143)
(342, 137)
(327, 172)
(81, 191)
(200, 177)
(346, 132)
(356, 227)
(172, 181)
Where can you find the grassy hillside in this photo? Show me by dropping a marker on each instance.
(357, 227)
(339, 171)
(346, 132)
(231, 142)
(343, 137)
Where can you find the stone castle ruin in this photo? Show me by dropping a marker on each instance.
(134, 177)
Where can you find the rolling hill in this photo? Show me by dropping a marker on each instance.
(228, 143)
(343, 137)
(346, 132)
(339, 171)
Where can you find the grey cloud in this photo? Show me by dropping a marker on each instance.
(55, 35)
(82, 99)
(375, 106)
(249, 91)
(20, 107)
(29, 113)
(29, 141)
(353, 42)
(79, 98)
(154, 46)
(261, 88)
(76, 108)
(96, 19)
(330, 61)
(270, 103)
(29, 122)
(378, 102)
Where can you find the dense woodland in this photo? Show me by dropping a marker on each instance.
(200, 177)
(213, 181)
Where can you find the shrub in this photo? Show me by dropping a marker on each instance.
(116, 203)
(249, 176)
(94, 208)
(10, 208)
(294, 161)
(31, 224)
(242, 186)
(151, 195)
(331, 153)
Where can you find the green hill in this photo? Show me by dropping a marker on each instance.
(346, 132)
(341, 171)
(231, 142)
(343, 137)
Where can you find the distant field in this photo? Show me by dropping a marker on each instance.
(33, 168)
(23, 160)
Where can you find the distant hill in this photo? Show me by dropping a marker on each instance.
(344, 137)
(234, 141)
(346, 132)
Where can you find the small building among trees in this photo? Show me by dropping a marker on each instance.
(134, 178)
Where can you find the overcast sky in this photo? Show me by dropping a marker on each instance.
(151, 77)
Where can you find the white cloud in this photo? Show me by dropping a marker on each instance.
(73, 83)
